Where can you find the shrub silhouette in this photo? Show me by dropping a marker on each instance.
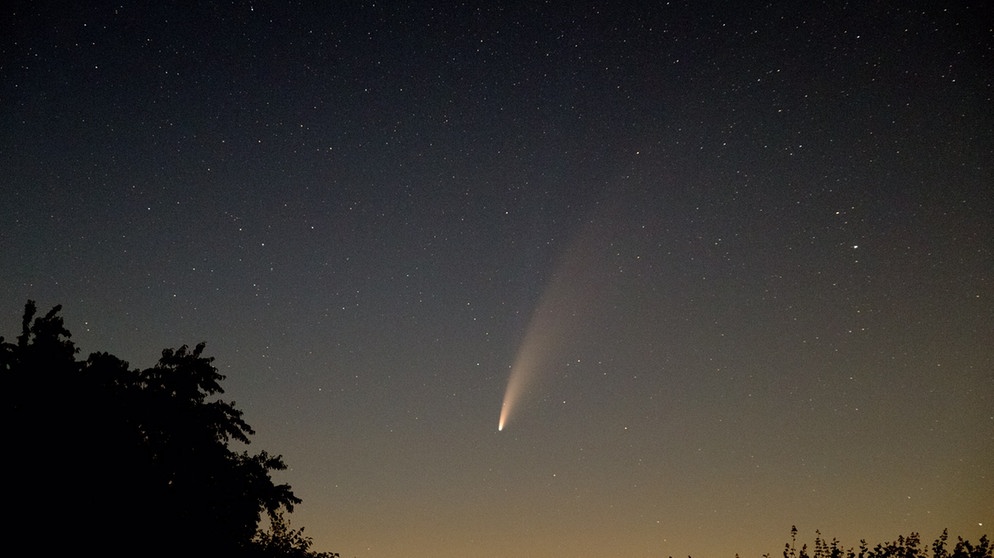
(903, 547)
(131, 462)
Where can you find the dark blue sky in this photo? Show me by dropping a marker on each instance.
(749, 243)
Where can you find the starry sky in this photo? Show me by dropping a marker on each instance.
(741, 251)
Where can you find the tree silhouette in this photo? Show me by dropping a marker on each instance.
(904, 547)
(132, 462)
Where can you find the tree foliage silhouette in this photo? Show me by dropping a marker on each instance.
(903, 547)
(133, 462)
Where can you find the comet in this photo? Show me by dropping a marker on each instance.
(578, 280)
(535, 345)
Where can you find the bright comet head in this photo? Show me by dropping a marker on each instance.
(503, 417)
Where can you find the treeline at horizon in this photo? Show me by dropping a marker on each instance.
(136, 462)
(909, 546)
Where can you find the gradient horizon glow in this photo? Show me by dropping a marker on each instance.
(729, 262)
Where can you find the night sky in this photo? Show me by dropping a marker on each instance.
(739, 256)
